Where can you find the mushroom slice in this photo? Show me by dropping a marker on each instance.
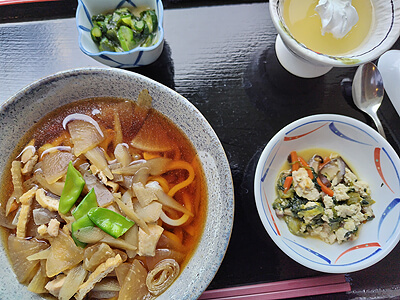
(315, 162)
(334, 170)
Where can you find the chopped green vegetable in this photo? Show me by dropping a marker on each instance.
(73, 187)
(150, 18)
(121, 30)
(125, 37)
(106, 45)
(115, 17)
(138, 26)
(148, 41)
(311, 211)
(96, 33)
(86, 204)
(109, 221)
(127, 21)
(294, 224)
(122, 11)
(83, 222)
(367, 201)
(112, 34)
(296, 204)
(335, 222)
(97, 18)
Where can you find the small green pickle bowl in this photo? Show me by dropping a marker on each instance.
(133, 42)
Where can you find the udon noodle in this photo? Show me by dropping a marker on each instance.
(106, 200)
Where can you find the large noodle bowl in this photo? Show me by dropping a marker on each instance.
(133, 240)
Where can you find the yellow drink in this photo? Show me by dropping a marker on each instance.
(305, 26)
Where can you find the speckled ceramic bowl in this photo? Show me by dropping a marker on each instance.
(373, 160)
(137, 57)
(30, 104)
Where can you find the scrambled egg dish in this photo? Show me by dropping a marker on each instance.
(322, 198)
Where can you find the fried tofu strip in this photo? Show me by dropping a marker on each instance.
(46, 201)
(16, 176)
(101, 271)
(26, 201)
(148, 242)
(30, 164)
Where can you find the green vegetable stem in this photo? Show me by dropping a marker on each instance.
(73, 187)
(109, 221)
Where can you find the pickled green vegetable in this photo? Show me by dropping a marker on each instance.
(121, 30)
(96, 33)
(125, 37)
(138, 26)
(106, 45)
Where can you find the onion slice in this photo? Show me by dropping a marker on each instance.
(174, 222)
(171, 202)
(89, 235)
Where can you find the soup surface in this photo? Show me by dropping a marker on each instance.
(105, 198)
(304, 24)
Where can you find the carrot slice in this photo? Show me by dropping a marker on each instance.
(287, 184)
(295, 161)
(326, 160)
(324, 188)
(306, 166)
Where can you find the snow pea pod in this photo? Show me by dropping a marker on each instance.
(109, 221)
(73, 187)
(86, 204)
(79, 224)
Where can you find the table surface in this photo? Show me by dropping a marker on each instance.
(220, 56)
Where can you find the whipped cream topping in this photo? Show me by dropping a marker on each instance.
(337, 16)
